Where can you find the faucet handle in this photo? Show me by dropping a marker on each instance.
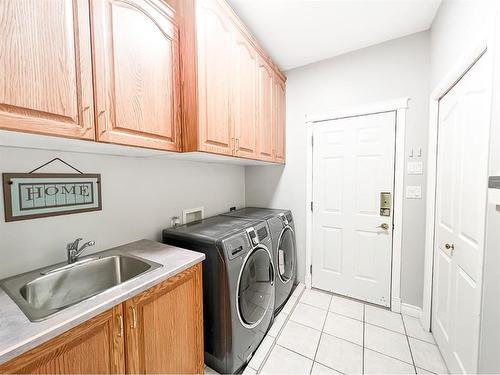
(90, 243)
(74, 245)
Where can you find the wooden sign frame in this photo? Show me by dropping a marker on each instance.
(82, 190)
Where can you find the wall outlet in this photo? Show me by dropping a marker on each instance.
(175, 221)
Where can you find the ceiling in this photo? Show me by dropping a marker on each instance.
(299, 32)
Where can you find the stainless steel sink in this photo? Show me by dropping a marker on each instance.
(44, 292)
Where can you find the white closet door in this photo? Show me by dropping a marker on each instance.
(353, 162)
(462, 173)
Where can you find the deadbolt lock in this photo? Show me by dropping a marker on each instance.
(385, 204)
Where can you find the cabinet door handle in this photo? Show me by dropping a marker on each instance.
(134, 318)
(119, 319)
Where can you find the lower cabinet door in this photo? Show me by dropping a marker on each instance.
(94, 347)
(164, 327)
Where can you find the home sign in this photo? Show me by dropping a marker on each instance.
(34, 195)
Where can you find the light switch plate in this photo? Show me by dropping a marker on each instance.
(415, 167)
(414, 192)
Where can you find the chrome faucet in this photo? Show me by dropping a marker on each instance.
(74, 252)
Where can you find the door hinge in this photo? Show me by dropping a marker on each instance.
(312, 141)
(311, 269)
(312, 206)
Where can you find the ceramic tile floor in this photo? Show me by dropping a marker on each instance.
(318, 333)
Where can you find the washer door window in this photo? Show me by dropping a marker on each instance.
(286, 255)
(256, 287)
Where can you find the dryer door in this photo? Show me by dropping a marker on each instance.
(286, 255)
(255, 287)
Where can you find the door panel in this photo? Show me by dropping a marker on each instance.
(460, 217)
(265, 143)
(466, 299)
(353, 162)
(46, 68)
(368, 247)
(333, 172)
(332, 240)
(215, 40)
(442, 294)
(137, 70)
(245, 99)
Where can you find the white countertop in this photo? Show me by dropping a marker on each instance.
(18, 334)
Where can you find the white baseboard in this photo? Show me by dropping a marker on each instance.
(396, 305)
(411, 310)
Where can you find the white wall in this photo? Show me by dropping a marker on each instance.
(386, 71)
(139, 198)
(457, 26)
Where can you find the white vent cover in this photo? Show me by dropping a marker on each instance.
(192, 214)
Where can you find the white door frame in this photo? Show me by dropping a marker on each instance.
(484, 43)
(399, 106)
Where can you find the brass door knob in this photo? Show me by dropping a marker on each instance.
(384, 226)
(449, 247)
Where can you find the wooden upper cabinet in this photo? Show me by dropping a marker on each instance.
(46, 68)
(164, 327)
(94, 347)
(228, 84)
(215, 39)
(136, 63)
(265, 142)
(279, 107)
(244, 99)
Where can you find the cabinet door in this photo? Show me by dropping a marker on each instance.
(265, 144)
(164, 327)
(245, 99)
(137, 73)
(94, 347)
(46, 68)
(279, 108)
(215, 41)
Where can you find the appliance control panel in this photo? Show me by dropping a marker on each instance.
(283, 218)
(252, 234)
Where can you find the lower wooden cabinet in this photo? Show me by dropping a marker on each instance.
(96, 346)
(164, 327)
(158, 331)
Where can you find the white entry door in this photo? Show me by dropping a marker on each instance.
(353, 163)
(462, 174)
